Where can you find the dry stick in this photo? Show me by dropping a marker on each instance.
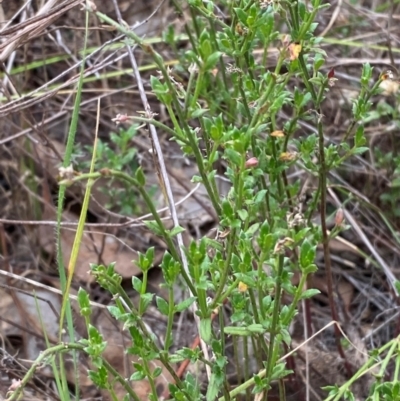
(137, 222)
(10, 63)
(46, 287)
(166, 184)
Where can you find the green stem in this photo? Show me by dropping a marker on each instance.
(368, 366)
(41, 359)
(197, 90)
(158, 124)
(168, 332)
(325, 243)
(150, 377)
(143, 291)
(275, 319)
(224, 275)
(296, 299)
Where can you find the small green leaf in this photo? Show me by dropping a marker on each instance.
(359, 137)
(205, 49)
(175, 358)
(196, 178)
(260, 197)
(310, 293)
(212, 60)
(256, 328)
(316, 80)
(397, 285)
(366, 74)
(307, 254)
(99, 378)
(227, 209)
(234, 157)
(252, 229)
(140, 177)
(115, 311)
(150, 255)
(205, 329)
(302, 11)
(137, 376)
(198, 113)
(137, 284)
(84, 302)
(279, 102)
(153, 226)
(184, 304)
(360, 150)
(212, 389)
(237, 331)
(279, 372)
(243, 214)
(312, 268)
(242, 15)
(162, 306)
(145, 300)
(319, 62)
(176, 230)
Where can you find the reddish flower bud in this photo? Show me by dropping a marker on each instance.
(252, 162)
(339, 217)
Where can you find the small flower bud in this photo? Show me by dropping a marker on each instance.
(120, 118)
(66, 173)
(339, 217)
(288, 156)
(242, 287)
(277, 134)
(252, 162)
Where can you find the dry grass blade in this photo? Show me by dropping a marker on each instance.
(24, 32)
(390, 276)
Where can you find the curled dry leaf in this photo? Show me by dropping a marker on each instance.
(389, 87)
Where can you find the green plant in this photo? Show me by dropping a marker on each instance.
(117, 154)
(266, 235)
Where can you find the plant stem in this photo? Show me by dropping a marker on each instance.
(325, 244)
